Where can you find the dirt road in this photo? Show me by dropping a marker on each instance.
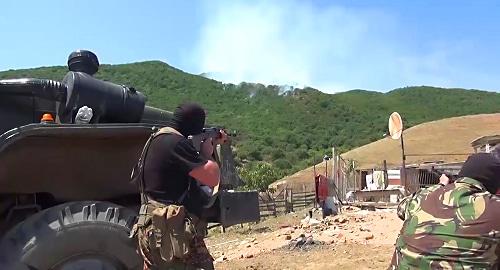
(356, 239)
(348, 256)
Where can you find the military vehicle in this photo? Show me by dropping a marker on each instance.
(66, 199)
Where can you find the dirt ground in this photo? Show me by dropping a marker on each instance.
(355, 239)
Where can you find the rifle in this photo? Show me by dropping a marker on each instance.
(211, 132)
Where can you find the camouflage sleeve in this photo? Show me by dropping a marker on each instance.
(402, 207)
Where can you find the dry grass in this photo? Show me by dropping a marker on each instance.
(448, 136)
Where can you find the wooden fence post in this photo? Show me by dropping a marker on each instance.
(274, 209)
(304, 193)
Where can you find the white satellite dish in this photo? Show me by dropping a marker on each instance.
(395, 125)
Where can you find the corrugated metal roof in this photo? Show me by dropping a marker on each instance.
(483, 140)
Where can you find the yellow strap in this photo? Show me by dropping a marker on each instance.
(165, 130)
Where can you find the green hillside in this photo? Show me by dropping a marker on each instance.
(293, 129)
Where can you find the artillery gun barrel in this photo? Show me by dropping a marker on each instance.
(46, 89)
(156, 116)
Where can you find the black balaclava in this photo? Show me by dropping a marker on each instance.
(189, 119)
(483, 167)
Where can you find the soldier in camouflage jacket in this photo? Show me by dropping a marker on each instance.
(454, 226)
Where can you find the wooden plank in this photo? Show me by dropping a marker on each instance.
(302, 205)
(304, 195)
(296, 201)
(303, 201)
(304, 198)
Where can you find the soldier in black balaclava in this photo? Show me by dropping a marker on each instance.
(189, 119)
(173, 170)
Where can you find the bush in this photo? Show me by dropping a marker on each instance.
(258, 176)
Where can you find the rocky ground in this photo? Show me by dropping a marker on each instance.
(355, 239)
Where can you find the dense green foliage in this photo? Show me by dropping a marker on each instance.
(289, 129)
(259, 175)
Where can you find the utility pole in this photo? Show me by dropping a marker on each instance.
(404, 164)
(386, 176)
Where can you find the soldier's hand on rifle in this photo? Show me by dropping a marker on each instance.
(207, 148)
(444, 180)
(222, 138)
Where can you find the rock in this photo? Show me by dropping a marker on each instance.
(249, 245)
(305, 221)
(363, 229)
(248, 256)
(242, 256)
(313, 221)
(221, 258)
(368, 237)
(244, 242)
(309, 240)
(330, 232)
(340, 219)
(288, 237)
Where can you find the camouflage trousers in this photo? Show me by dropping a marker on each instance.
(199, 257)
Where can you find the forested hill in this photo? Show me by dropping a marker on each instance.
(291, 128)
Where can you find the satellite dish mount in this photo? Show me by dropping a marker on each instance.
(396, 132)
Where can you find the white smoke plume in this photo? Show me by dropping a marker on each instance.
(328, 47)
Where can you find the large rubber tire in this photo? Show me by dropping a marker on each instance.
(71, 236)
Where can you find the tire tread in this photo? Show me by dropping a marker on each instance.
(23, 238)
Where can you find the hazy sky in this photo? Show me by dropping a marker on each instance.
(330, 45)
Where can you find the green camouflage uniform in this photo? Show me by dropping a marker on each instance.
(456, 226)
(199, 257)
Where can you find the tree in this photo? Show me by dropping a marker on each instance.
(259, 176)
